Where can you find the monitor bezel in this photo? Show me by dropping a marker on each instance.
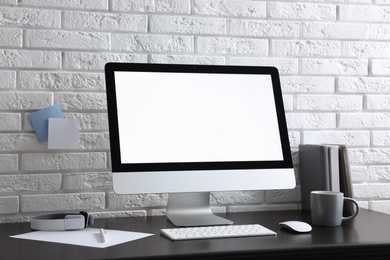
(118, 166)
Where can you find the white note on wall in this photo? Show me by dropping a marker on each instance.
(63, 133)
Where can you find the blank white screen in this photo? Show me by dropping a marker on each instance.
(194, 117)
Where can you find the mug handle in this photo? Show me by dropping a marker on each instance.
(356, 211)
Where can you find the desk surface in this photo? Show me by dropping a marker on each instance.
(365, 237)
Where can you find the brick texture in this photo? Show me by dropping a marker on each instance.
(333, 57)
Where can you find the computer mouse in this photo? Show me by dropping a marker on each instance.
(297, 226)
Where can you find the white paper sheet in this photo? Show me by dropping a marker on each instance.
(63, 133)
(87, 237)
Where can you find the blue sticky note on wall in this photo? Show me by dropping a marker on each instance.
(40, 120)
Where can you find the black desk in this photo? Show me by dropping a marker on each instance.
(365, 237)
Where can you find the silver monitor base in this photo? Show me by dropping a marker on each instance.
(192, 209)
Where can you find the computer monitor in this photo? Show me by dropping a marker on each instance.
(188, 130)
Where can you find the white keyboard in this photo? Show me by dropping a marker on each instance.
(208, 232)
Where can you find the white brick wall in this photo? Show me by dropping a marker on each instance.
(333, 56)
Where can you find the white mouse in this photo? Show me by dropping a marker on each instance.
(297, 226)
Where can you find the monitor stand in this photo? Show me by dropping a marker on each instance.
(192, 209)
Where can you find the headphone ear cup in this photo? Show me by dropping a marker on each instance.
(91, 220)
(88, 218)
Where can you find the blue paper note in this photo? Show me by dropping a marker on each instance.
(40, 120)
